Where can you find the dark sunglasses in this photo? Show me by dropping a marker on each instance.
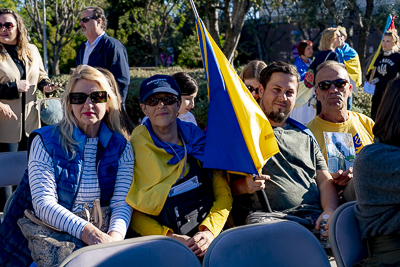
(80, 98)
(7, 25)
(326, 85)
(86, 19)
(166, 100)
(252, 89)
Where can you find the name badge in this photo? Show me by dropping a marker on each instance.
(190, 184)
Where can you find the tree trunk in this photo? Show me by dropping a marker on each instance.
(234, 25)
(364, 31)
(212, 20)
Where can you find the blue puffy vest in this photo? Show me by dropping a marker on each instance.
(13, 245)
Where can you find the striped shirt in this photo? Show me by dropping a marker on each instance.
(44, 189)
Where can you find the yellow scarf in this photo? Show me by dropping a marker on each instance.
(149, 193)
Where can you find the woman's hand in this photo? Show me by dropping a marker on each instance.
(6, 112)
(200, 242)
(92, 235)
(181, 238)
(51, 87)
(23, 86)
(117, 236)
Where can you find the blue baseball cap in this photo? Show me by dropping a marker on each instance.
(158, 84)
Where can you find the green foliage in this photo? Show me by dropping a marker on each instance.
(8, 4)
(190, 54)
(362, 103)
(155, 20)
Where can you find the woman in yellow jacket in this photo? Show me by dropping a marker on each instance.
(171, 193)
(21, 73)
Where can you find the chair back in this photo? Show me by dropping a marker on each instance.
(12, 167)
(271, 244)
(345, 236)
(149, 251)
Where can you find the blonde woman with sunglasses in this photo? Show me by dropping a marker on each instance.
(82, 158)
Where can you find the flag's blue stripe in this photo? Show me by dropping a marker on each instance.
(388, 22)
(225, 146)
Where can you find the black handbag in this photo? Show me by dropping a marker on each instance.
(184, 212)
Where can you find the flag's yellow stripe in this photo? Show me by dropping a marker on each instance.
(371, 66)
(353, 67)
(204, 48)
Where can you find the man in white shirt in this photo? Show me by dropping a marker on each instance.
(101, 50)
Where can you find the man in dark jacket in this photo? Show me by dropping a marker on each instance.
(101, 50)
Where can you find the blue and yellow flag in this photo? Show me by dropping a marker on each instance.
(352, 62)
(239, 136)
(389, 25)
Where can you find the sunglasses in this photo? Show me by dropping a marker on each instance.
(326, 85)
(7, 25)
(252, 89)
(166, 100)
(80, 98)
(86, 19)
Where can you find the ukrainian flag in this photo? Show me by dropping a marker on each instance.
(352, 62)
(239, 137)
(389, 25)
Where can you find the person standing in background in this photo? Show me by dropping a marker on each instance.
(330, 39)
(21, 73)
(101, 50)
(350, 58)
(306, 112)
(304, 60)
(386, 67)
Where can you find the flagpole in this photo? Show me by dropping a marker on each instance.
(194, 9)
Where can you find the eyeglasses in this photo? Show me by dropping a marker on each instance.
(326, 85)
(7, 25)
(86, 19)
(80, 98)
(166, 100)
(252, 89)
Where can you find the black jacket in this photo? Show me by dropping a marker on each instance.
(109, 54)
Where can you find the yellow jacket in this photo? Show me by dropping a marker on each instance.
(152, 181)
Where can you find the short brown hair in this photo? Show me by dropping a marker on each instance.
(387, 122)
(278, 66)
(98, 13)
